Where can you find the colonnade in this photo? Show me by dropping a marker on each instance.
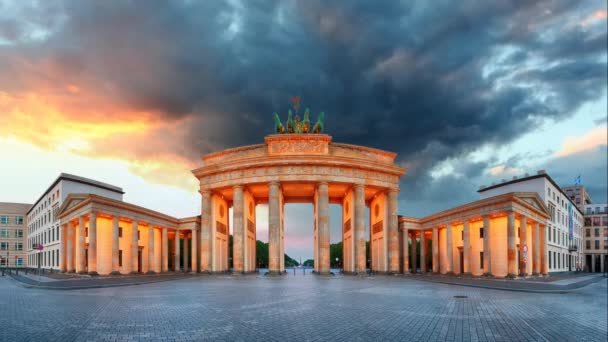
(102, 243)
(503, 244)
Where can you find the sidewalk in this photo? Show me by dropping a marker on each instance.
(523, 285)
(31, 281)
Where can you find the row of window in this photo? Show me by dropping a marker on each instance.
(596, 232)
(597, 244)
(6, 262)
(47, 259)
(560, 259)
(560, 238)
(598, 210)
(45, 237)
(44, 204)
(596, 221)
(41, 221)
(5, 233)
(4, 246)
(5, 219)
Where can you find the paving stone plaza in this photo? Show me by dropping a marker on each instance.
(300, 308)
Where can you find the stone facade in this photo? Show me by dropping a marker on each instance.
(13, 234)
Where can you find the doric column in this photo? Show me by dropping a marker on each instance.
(70, 247)
(274, 228)
(511, 246)
(185, 252)
(238, 238)
(406, 251)
(82, 263)
(115, 248)
(414, 252)
(176, 252)
(359, 215)
(435, 247)
(92, 243)
(64, 250)
(323, 228)
(544, 259)
(523, 241)
(165, 250)
(151, 259)
(393, 233)
(134, 245)
(194, 249)
(466, 249)
(422, 252)
(449, 250)
(206, 243)
(487, 253)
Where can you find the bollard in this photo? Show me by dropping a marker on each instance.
(294, 271)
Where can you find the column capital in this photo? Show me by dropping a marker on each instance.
(323, 183)
(205, 192)
(392, 190)
(237, 186)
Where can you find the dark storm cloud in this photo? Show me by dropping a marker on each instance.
(427, 80)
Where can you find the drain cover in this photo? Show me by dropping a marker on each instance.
(461, 297)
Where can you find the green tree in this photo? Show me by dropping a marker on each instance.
(335, 252)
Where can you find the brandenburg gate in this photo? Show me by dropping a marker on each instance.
(299, 167)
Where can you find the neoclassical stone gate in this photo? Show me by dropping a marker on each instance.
(299, 168)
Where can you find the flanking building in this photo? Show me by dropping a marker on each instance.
(13, 250)
(499, 236)
(596, 237)
(564, 229)
(43, 226)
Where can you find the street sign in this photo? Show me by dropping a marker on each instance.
(40, 247)
(16, 257)
(525, 248)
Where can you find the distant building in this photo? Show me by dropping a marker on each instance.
(578, 195)
(596, 237)
(564, 233)
(43, 220)
(13, 250)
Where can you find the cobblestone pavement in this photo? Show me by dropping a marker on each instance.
(300, 308)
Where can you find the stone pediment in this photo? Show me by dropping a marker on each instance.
(71, 202)
(534, 200)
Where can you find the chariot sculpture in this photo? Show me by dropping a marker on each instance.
(294, 124)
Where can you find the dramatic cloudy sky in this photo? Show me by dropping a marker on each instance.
(466, 92)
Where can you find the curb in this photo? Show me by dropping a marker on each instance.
(84, 287)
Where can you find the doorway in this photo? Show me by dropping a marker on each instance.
(598, 264)
(588, 262)
(461, 260)
(139, 259)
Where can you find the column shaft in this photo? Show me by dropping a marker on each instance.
(359, 215)
(393, 232)
(323, 228)
(435, 247)
(414, 252)
(194, 249)
(511, 245)
(206, 226)
(151, 259)
(487, 253)
(238, 238)
(449, 250)
(544, 262)
(165, 250)
(406, 251)
(64, 250)
(185, 252)
(82, 263)
(274, 228)
(523, 242)
(176, 266)
(115, 248)
(134, 245)
(70, 247)
(92, 262)
(423, 268)
(466, 249)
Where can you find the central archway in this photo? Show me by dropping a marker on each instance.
(299, 168)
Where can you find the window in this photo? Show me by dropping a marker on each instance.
(587, 221)
(86, 231)
(588, 244)
(597, 244)
(588, 232)
(4, 246)
(597, 232)
(19, 233)
(138, 234)
(604, 220)
(596, 220)
(4, 219)
(554, 235)
(550, 261)
(18, 246)
(559, 262)
(481, 232)
(19, 262)
(119, 231)
(120, 257)
(4, 232)
(18, 219)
